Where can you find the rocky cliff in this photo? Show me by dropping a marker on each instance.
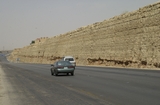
(129, 40)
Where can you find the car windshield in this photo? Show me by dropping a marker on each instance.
(69, 59)
(63, 63)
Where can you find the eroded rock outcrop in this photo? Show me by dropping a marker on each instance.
(129, 40)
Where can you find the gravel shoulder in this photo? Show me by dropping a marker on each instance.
(4, 86)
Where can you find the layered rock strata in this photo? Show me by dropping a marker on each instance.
(128, 40)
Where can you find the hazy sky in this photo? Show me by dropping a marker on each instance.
(22, 21)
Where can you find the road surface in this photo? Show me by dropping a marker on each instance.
(32, 84)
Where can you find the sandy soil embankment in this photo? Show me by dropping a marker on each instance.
(4, 86)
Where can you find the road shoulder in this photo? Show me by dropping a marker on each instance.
(4, 97)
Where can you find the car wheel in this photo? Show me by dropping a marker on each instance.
(67, 73)
(72, 73)
(51, 72)
(55, 72)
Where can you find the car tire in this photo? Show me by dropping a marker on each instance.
(67, 73)
(72, 73)
(51, 72)
(56, 73)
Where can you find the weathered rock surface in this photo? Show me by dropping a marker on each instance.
(129, 40)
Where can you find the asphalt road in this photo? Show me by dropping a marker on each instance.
(32, 84)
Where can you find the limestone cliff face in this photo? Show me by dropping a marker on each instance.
(129, 40)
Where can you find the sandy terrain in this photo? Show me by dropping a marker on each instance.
(5, 89)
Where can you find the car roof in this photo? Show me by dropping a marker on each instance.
(68, 57)
(62, 61)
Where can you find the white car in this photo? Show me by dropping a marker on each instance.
(70, 59)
